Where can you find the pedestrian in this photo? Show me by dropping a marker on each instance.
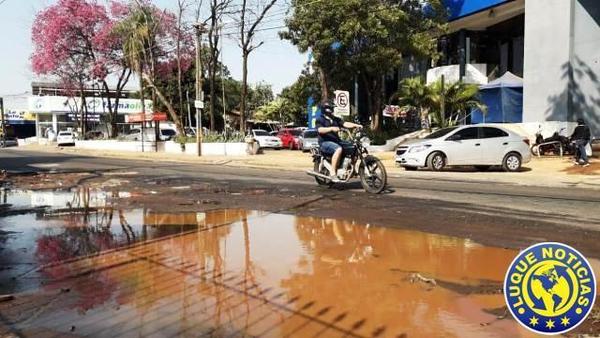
(581, 137)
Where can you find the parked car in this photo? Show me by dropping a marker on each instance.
(135, 134)
(309, 139)
(481, 146)
(265, 140)
(8, 142)
(65, 138)
(289, 138)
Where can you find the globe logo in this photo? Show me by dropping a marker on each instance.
(550, 288)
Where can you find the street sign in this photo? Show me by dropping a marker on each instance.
(342, 102)
(199, 104)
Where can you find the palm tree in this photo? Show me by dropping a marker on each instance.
(414, 94)
(454, 102)
(139, 32)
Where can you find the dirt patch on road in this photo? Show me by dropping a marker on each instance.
(592, 169)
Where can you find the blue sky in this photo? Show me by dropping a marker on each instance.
(276, 62)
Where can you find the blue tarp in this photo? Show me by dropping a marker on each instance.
(504, 99)
(462, 8)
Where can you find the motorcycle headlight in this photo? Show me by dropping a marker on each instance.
(417, 149)
(365, 141)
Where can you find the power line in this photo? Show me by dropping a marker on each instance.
(2, 1)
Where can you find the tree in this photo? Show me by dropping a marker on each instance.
(218, 8)
(369, 39)
(296, 96)
(453, 102)
(248, 28)
(152, 40)
(72, 42)
(414, 94)
(445, 103)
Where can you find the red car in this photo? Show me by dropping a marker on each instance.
(289, 138)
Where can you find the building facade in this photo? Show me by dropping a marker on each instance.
(554, 45)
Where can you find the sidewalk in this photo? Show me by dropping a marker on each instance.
(549, 171)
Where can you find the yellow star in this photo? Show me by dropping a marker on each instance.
(533, 321)
(565, 321)
(549, 324)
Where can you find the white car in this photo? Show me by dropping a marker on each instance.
(481, 146)
(65, 138)
(265, 140)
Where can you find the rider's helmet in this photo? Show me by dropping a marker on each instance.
(327, 108)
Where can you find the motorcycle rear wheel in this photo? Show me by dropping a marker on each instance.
(321, 181)
(376, 182)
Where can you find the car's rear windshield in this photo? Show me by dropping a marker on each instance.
(65, 133)
(168, 132)
(441, 132)
(296, 132)
(261, 133)
(311, 134)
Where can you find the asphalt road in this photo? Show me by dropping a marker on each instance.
(483, 202)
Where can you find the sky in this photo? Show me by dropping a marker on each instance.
(276, 62)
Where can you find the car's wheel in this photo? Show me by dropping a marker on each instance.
(411, 168)
(483, 167)
(512, 162)
(436, 161)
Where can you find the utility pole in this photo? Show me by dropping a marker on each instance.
(200, 28)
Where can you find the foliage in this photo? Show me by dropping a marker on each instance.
(414, 94)
(457, 99)
(73, 42)
(296, 96)
(369, 39)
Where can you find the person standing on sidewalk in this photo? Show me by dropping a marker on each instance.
(581, 137)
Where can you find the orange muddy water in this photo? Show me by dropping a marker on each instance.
(246, 273)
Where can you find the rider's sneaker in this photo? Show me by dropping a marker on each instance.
(586, 165)
(334, 179)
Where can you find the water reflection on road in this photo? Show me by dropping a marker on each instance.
(251, 273)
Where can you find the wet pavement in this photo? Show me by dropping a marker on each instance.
(103, 271)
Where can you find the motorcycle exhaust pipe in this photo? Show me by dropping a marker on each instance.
(314, 173)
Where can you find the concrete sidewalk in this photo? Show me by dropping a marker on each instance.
(548, 171)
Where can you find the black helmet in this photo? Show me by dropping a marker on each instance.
(327, 108)
(580, 121)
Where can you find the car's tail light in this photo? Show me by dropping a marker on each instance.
(527, 142)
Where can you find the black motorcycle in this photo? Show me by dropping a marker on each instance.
(556, 144)
(356, 163)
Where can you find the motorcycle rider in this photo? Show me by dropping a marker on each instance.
(581, 137)
(328, 126)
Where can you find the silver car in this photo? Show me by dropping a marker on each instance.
(309, 139)
(479, 145)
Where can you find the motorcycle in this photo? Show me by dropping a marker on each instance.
(356, 163)
(557, 144)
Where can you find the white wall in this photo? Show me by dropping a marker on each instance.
(585, 60)
(547, 52)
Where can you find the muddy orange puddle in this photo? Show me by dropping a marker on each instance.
(258, 274)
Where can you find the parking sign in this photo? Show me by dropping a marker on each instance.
(342, 102)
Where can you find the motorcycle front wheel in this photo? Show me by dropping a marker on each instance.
(374, 180)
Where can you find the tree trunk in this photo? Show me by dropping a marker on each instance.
(374, 95)
(167, 104)
(244, 93)
(212, 107)
(324, 87)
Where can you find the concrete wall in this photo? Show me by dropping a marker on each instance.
(584, 92)
(208, 149)
(546, 64)
(562, 61)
